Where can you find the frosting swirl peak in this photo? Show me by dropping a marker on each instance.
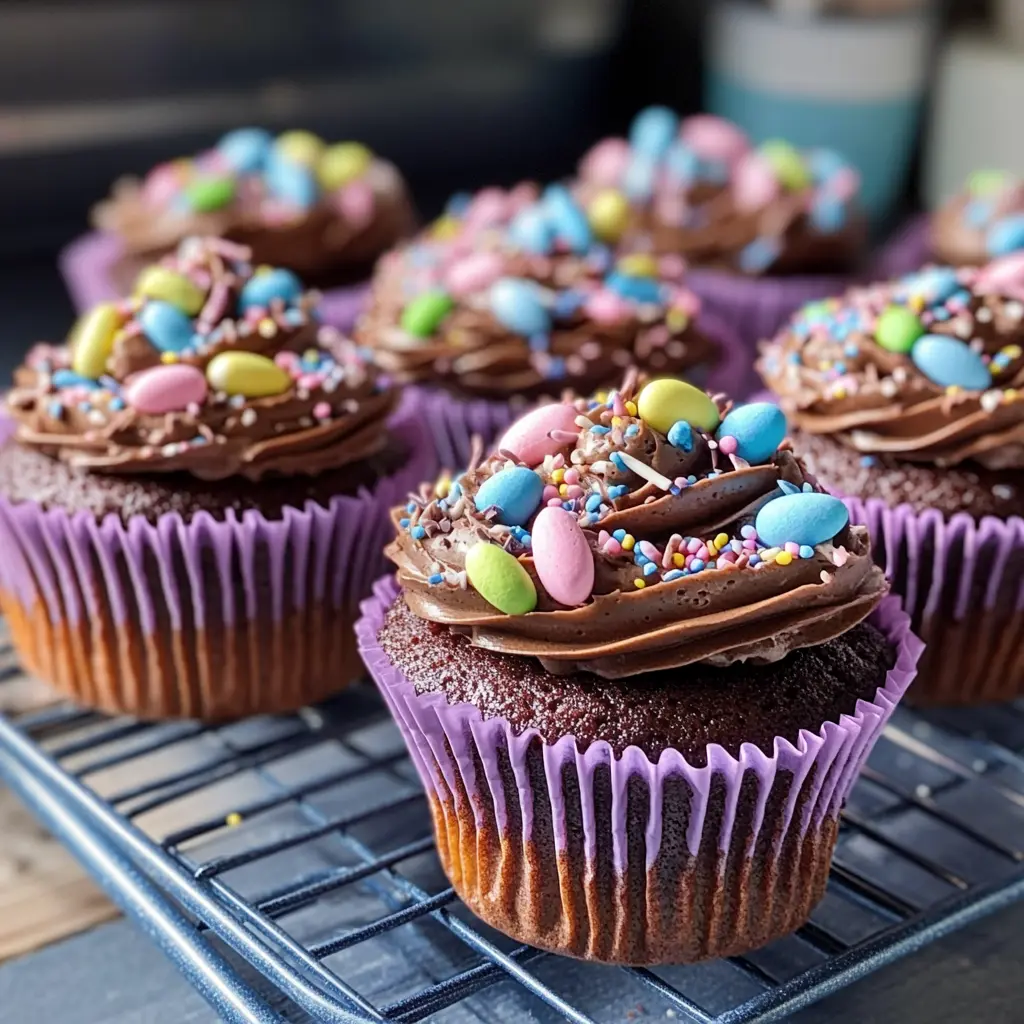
(626, 535)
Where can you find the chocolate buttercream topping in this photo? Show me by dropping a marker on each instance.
(512, 293)
(632, 553)
(212, 368)
(699, 187)
(294, 200)
(982, 221)
(928, 368)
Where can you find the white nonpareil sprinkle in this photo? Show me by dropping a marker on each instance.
(248, 417)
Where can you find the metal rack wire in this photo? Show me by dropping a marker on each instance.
(302, 843)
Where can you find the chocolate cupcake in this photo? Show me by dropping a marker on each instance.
(324, 211)
(587, 796)
(906, 398)
(764, 229)
(192, 503)
(512, 298)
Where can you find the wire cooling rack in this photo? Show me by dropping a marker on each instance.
(302, 843)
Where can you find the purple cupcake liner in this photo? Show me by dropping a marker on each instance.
(87, 266)
(453, 421)
(798, 788)
(133, 592)
(908, 250)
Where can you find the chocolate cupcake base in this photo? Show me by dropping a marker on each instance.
(606, 851)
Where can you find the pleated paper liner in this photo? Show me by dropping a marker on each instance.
(617, 858)
(204, 618)
(95, 270)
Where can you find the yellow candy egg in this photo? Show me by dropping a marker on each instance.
(608, 213)
(300, 147)
(638, 264)
(92, 340)
(342, 163)
(247, 374)
(665, 402)
(160, 283)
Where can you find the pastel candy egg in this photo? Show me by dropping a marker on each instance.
(356, 201)
(898, 328)
(805, 517)
(935, 284)
(245, 149)
(608, 214)
(682, 163)
(787, 163)
(165, 389)
(1005, 275)
(341, 163)
(247, 374)
(754, 183)
(562, 556)
(606, 163)
(531, 231)
(299, 147)
(638, 289)
(638, 264)
(828, 214)
(529, 438)
(664, 402)
(948, 362)
(568, 221)
(758, 428)
(166, 326)
(983, 183)
(291, 182)
(825, 164)
(1005, 236)
(515, 492)
(517, 305)
(424, 314)
(93, 339)
(653, 130)
(158, 282)
(163, 183)
(473, 273)
(638, 181)
(209, 193)
(500, 579)
(262, 288)
(714, 138)
(844, 185)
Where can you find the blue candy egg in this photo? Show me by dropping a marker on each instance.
(517, 305)
(569, 222)
(978, 212)
(803, 518)
(262, 288)
(166, 326)
(758, 428)
(291, 182)
(682, 163)
(828, 214)
(531, 230)
(246, 149)
(638, 181)
(653, 131)
(70, 379)
(936, 284)
(824, 164)
(948, 362)
(515, 492)
(1005, 236)
(638, 289)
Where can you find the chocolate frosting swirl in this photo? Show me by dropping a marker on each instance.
(664, 595)
(145, 408)
(838, 370)
(597, 317)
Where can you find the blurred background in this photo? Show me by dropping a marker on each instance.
(462, 93)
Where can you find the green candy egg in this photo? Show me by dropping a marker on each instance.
(897, 329)
(207, 194)
(663, 403)
(341, 163)
(787, 163)
(500, 579)
(424, 314)
(987, 182)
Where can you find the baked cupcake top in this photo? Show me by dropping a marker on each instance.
(700, 188)
(984, 220)
(633, 533)
(258, 190)
(513, 293)
(927, 368)
(213, 367)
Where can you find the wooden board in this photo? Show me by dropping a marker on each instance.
(44, 895)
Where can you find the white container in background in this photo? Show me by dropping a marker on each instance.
(855, 85)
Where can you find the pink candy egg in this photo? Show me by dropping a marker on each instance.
(606, 163)
(474, 273)
(1004, 276)
(844, 184)
(605, 307)
(754, 183)
(562, 556)
(714, 138)
(356, 202)
(528, 438)
(165, 389)
(488, 206)
(162, 184)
